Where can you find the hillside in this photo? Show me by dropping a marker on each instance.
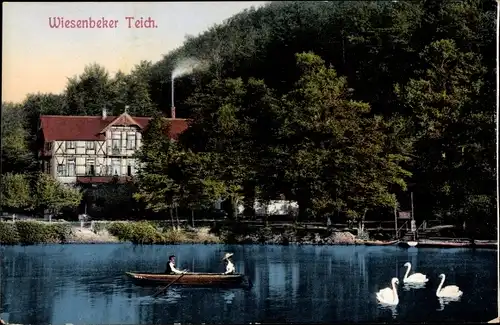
(417, 76)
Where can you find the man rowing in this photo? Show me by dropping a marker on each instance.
(171, 269)
(229, 264)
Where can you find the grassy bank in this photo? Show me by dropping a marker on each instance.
(144, 232)
(151, 232)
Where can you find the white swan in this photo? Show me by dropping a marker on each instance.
(448, 291)
(387, 295)
(415, 277)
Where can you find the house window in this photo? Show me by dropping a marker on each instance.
(71, 165)
(61, 171)
(115, 167)
(129, 170)
(71, 144)
(90, 167)
(131, 141)
(90, 145)
(116, 144)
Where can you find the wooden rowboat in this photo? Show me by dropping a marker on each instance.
(485, 244)
(437, 244)
(189, 279)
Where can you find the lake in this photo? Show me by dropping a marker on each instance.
(82, 284)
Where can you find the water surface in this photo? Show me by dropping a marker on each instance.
(82, 284)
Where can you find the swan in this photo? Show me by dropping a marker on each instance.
(448, 291)
(415, 277)
(387, 295)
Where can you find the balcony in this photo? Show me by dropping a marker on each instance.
(102, 179)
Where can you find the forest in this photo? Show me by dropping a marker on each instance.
(343, 106)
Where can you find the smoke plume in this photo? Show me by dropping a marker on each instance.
(186, 66)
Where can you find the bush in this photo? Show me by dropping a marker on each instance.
(141, 232)
(160, 224)
(33, 232)
(8, 233)
(145, 233)
(58, 232)
(122, 230)
(172, 236)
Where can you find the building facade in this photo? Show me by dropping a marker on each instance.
(94, 149)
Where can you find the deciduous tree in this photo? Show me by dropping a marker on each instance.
(15, 192)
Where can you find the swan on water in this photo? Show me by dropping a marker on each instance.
(389, 295)
(451, 291)
(415, 277)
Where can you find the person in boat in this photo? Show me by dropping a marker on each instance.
(229, 264)
(171, 269)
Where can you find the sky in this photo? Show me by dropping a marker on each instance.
(39, 58)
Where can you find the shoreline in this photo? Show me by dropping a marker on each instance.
(146, 233)
(292, 243)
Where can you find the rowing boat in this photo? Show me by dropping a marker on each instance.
(439, 243)
(190, 279)
(485, 244)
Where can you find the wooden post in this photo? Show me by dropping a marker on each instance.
(396, 219)
(411, 198)
(412, 221)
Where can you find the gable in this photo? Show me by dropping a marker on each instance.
(122, 120)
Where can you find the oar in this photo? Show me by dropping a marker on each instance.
(168, 285)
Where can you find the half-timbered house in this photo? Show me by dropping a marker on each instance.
(94, 149)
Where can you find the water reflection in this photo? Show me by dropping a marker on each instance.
(228, 297)
(391, 308)
(172, 295)
(413, 286)
(445, 301)
(83, 284)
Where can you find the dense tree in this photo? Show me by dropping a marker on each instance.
(199, 186)
(52, 196)
(138, 91)
(453, 126)
(16, 156)
(332, 155)
(15, 192)
(157, 154)
(228, 114)
(90, 92)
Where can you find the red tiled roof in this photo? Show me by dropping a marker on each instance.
(88, 128)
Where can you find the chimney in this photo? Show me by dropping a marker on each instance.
(104, 114)
(172, 112)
